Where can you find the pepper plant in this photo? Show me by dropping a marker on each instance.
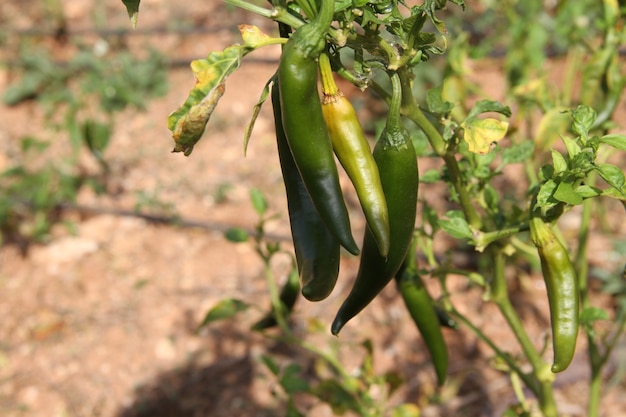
(565, 142)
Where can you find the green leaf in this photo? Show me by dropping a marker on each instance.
(583, 118)
(436, 103)
(337, 396)
(558, 161)
(612, 175)
(96, 136)
(291, 381)
(406, 410)
(132, 7)
(456, 225)
(517, 153)
(587, 191)
(259, 202)
(271, 364)
(615, 140)
(480, 134)
(572, 146)
(225, 309)
(565, 192)
(489, 106)
(255, 114)
(430, 176)
(545, 195)
(236, 235)
(590, 315)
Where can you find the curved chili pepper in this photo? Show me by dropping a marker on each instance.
(420, 306)
(305, 128)
(397, 163)
(355, 155)
(562, 287)
(317, 250)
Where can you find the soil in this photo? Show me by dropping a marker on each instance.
(102, 319)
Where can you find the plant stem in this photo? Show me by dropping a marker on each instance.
(415, 114)
(582, 268)
(541, 370)
(526, 378)
(279, 14)
(484, 239)
(277, 306)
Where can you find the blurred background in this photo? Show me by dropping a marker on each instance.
(113, 248)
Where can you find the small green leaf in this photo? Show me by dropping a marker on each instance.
(436, 103)
(545, 195)
(517, 153)
(590, 315)
(572, 146)
(480, 134)
(565, 192)
(615, 140)
(271, 364)
(236, 235)
(587, 191)
(225, 309)
(259, 202)
(393, 380)
(291, 381)
(558, 161)
(583, 117)
(456, 226)
(430, 176)
(132, 7)
(489, 106)
(337, 396)
(612, 175)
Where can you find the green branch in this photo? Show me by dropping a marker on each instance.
(415, 114)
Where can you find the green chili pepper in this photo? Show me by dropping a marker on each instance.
(397, 163)
(317, 250)
(304, 124)
(563, 294)
(355, 155)
(420, 306)
(288, 297)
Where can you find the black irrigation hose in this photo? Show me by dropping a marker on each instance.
(166, 220)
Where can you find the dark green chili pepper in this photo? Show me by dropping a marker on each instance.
(562, 287)
(354, 153)
(288, 297)
(420, 306)
(397, 163)
(317, 250)
(304, 124)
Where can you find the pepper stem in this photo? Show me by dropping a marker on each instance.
(329, 87)
(394, 123)
(321, 23)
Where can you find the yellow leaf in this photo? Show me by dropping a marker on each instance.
(481, 133)
(252, 36)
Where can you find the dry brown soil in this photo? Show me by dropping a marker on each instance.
(102, 322)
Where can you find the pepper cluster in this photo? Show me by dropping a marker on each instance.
(310, 133)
